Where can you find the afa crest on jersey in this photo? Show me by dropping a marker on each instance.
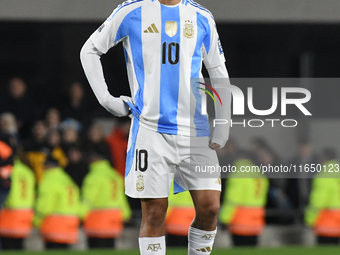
(189, 30)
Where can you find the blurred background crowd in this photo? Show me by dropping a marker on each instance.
(65, 164)
(66, 154)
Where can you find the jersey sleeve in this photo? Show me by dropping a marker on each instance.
(112, 31)
(213, 54)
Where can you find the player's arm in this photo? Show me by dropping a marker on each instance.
(219, 79)
(214, 61)
(109, 34)
(90, 60)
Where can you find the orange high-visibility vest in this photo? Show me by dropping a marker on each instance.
(247, 221)
(179, 220)
(5, 152)
(104, 223)
(60, 229)
(16, 223)
(328, 223)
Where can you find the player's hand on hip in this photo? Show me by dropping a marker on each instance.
(118, 106)
(214, 146)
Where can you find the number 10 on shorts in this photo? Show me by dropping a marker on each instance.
(141, 163)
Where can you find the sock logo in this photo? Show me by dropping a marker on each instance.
(205, 249)
(154, 247)
(208, 236)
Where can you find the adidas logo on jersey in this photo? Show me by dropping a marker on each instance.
(205, 249)
(152, 29)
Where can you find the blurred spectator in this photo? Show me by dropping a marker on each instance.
(57, 207)
(277, 198)
(298, 189)
(77, 167)
(36, 149)
(53, 141)
(52, 118)
(117, 141)
(256, 144)
(96, 141)
(266, 156)
(226, 157)
(263, 153)
(105, 203)
(181, 213)
(244, 202)
(8, 128)
(323, 211)
(20, 103)
(228, 154)
(70, 138)
(76, 107)
(17, 215)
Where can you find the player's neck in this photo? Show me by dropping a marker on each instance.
(169, 2)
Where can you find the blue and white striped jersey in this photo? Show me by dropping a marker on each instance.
(164, 48)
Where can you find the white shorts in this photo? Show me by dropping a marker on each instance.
(155, 159)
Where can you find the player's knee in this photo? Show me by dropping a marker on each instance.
(209, 210)
(155, 214)
(213, 210)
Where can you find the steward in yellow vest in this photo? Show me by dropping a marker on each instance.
(323, 211)
(57, 207)
(16, 216)
(105, 205)
(244, 202)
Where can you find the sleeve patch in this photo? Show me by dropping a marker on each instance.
(220, 46)
(100, 29)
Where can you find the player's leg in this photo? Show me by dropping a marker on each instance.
(203, 229)
(207, 206)
(205, 190)
(153, 217)
(152, 232)
(148, 177)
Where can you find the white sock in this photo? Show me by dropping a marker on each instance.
(200, 241)
(152, 245)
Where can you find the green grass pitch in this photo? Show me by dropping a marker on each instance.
(232, 251)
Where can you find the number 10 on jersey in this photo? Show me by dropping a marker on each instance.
(170, 53)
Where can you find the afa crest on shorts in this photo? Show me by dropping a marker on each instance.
(140, 183)
(188, 30)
